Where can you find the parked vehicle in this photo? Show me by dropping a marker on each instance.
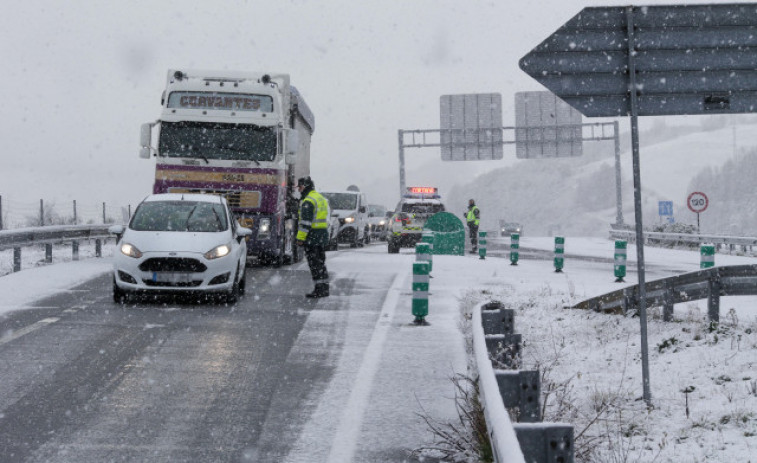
(243, 135)
(349, 208)
(377, 221)
(178, 243)
(508, 228)
(411, 214)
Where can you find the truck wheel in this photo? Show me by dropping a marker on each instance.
(367, 236)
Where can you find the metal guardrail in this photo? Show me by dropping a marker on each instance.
(24, 237)
(711, 283)
(530, 439)
(649, 237)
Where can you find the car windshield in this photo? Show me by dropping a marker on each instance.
(376, 211)
(341, 200)
(180, 216)
(422, 208)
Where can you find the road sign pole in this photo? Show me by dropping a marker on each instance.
(618, 195)
(634, 91)
(402, 162)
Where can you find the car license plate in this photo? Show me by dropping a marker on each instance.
(171, 277)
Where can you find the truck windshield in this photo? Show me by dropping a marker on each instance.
(341, 200)
(239, 142)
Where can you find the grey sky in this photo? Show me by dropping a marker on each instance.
(80, 78)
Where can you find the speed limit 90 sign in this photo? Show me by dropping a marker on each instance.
(697, 202)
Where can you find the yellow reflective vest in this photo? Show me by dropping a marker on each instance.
(318, 219)
(472, 216)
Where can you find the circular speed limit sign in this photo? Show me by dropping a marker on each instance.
(697, 202)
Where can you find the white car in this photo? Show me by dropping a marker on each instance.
(349, 209)
(180, 243)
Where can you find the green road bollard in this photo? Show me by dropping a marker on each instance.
(482, 245)
(707, 255)
(514, 246)
(621, 248)
(559, 253)
(423, 254)
(428, 237)
(420, 292)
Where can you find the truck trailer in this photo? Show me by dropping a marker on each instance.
(243, 135)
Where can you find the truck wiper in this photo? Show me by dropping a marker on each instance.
(237, 150)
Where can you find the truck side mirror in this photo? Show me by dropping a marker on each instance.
(362, 209)
(292, 141)
(145, 139)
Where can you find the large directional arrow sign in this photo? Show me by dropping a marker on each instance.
(681, 59)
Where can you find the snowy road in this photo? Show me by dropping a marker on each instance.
(274, 378)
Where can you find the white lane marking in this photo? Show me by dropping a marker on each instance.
(28, 329)
(345, 440)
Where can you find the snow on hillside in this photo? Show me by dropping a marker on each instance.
(578, 195)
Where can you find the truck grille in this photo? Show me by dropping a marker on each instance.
(235, 198)
(172, 264)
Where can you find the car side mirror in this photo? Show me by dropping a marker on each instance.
(117, 230)
(242, 233)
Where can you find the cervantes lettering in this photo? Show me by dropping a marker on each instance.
(210, 102)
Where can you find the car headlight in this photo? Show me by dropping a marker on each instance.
(349, 220)
(130, 250)
(382, 222)
(218, 251)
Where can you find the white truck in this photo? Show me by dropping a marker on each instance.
(243, 135)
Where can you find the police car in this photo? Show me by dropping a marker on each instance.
(411, 214)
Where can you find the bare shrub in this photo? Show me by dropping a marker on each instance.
(465, 440)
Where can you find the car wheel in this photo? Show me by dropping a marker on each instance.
(393, 246)
(242, 282)
(333, 245)
(119, 295)
(233, 294)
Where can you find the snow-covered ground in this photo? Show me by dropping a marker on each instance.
(703, 379)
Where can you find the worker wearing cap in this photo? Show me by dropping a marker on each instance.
(473, 217)
(313, 234)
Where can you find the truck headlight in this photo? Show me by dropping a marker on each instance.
(264, 228)
(218, 251)
(130, 250)
(349, 220)
(382, 222)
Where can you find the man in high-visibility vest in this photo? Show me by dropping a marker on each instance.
(473, 217)
(313, 234)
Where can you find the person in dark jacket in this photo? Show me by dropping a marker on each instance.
(473, 218)
(313, 234)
